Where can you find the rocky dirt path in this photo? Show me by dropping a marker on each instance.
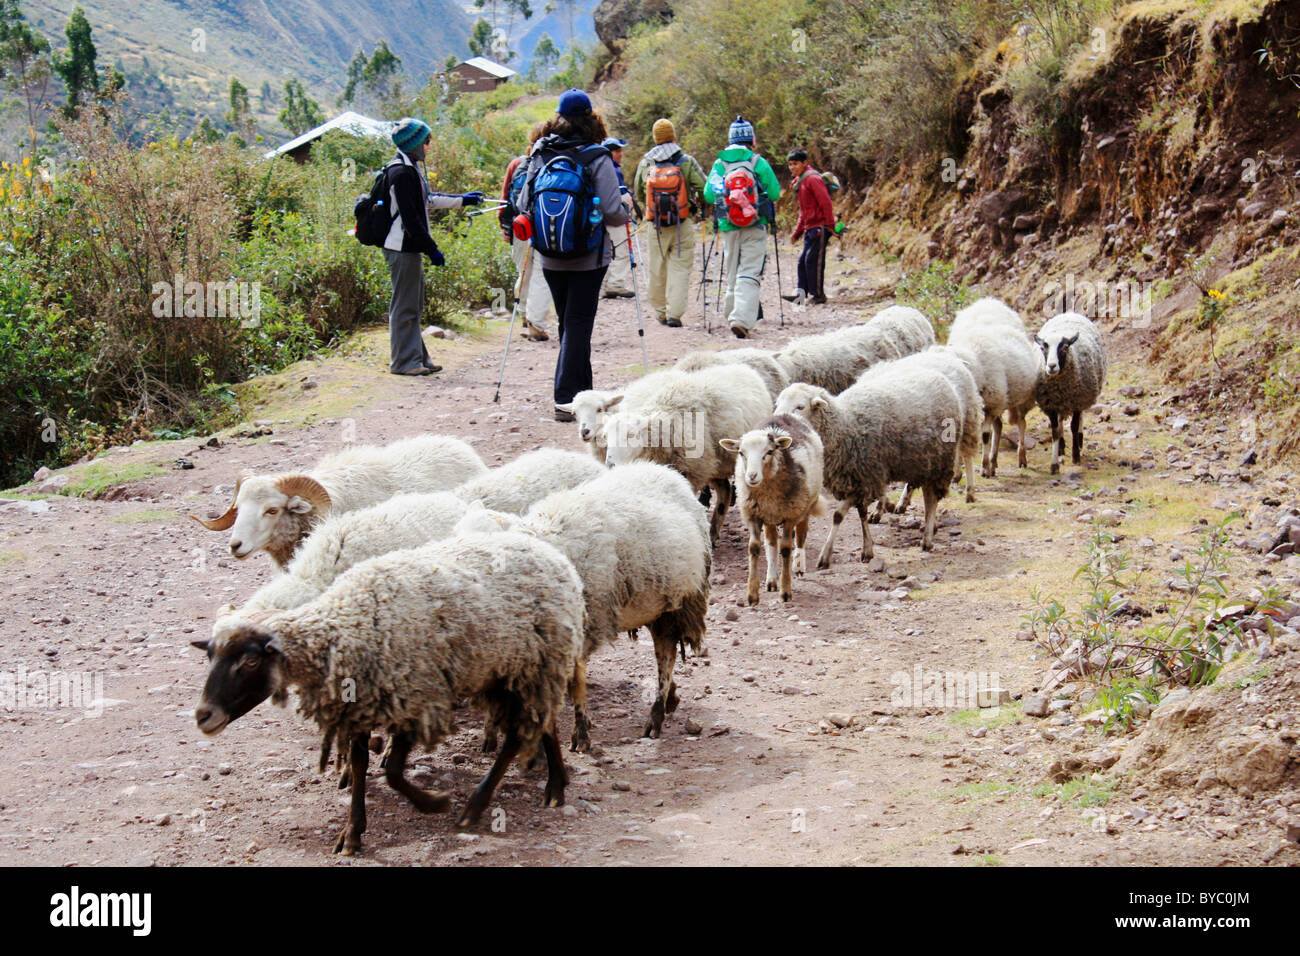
(790, 745)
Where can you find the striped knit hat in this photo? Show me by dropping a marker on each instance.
(741, 131)
(410, 133)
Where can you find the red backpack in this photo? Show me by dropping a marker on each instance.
(740, 192)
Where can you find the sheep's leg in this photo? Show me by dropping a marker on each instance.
(1076, 437)
(771, 534)
(1021, 457)
(931, 511)
(581, 741)
(665, 701)
(868, 550)
(882, 508)
(349, 840)
(556, 778)
(824, 559)
(800, 540)
(489, 737)
(720, 509)
(399, 747)
(986, 444)
(755, 545)
(997, 442)
(904, 501)
(970, 478)
(786, 547)
(1058, 440)
(482, 795)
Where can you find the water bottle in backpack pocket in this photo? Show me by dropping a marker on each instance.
(565, 211)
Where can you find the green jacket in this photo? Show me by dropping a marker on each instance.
(767, 180)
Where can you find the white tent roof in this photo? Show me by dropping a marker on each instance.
(348, 121)
(488, 66)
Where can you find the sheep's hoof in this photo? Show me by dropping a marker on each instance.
(671, 703)
(823, 564)
(489, 743)
(1056, 468)
(579, 743)
(874, 518)
(347, 844)
(427, 802)
(552, 799)
(345, 779)
(771, 585)
(867, 556)
(787, 596)
(751, 599)
(970, 498)
(376, 743)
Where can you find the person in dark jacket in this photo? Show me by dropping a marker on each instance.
(409, 239)
(816, 220)
(575, 283)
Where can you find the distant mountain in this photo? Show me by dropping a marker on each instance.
(557, 25)
(180, 54)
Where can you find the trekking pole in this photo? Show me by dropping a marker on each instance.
(522, 293)
(780, 300)
(636, 297)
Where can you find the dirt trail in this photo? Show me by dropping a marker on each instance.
(119, 588)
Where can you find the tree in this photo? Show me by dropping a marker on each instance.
(24, 61)
(300, 112)
(240, 115)
(356, 69)
(545, 56)
(379, 76)
(77, 67)
(516, 9)
(570, 8)
(480, 39)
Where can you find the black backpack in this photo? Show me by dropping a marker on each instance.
(373, 215)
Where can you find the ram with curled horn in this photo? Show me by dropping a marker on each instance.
(275, 513)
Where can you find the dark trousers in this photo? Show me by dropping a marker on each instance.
(812, 261)
(576, 295)
(405, 311)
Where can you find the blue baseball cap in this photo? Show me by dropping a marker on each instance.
(613, 142)
(573, 103)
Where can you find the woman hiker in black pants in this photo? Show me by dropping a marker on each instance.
(575, 283)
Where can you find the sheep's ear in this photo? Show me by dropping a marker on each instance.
(817, 402)
(204, 645)
(783, 441)
(1038, 341)
(273, 646)
(613, 400)
(225, 609)
(566, 407)
(299, 506)
(1071, 340)
(729, 444)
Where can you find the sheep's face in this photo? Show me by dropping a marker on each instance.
(806, 401)
(589, 409)
(1056, 351)
(269, 515)
(757, 455)
(246, 666)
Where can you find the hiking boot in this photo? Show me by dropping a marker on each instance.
(562, 416)
(740, 332)
(432, 368)
(618, 295)
(673, 323)
(533, 333)
(819, 300)
(663, 319)
(418, 370)
(797, 297)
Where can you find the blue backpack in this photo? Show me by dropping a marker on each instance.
(562, 196)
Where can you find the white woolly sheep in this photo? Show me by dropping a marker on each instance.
(1006, 366)
(761, 361)
(1074, 370)
(888, 427)
(639, 540)
(680, 424)
(590, 408)
(275, 512)
(906, 327)
(779, 480)
(515, 486)
(834, 360)
(397, 641)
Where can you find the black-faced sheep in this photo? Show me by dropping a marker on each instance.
(397, 641)
(1074, 370)
(779, 484)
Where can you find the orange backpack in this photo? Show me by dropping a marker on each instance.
(665, 190)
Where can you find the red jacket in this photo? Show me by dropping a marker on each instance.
(814, 203)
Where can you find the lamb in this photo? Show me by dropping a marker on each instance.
(409, 521)
(760, 360)
(591, 407)
(639, 541)
(396, 642)
(1006, 365)
(955, 365)
(275, 512)
(681, 423)
(834, 360)
(779, 477)
(1074, 360)
(888, 427)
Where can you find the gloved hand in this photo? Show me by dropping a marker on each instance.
(436, 257)
(471, 199)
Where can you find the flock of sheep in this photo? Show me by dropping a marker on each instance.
(414, 577)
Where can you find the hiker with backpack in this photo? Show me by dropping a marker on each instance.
(743, 189)
(816, 220)
(538, 307)
(618, 280)
(569, 198)
(395, 217)
(672, 182)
